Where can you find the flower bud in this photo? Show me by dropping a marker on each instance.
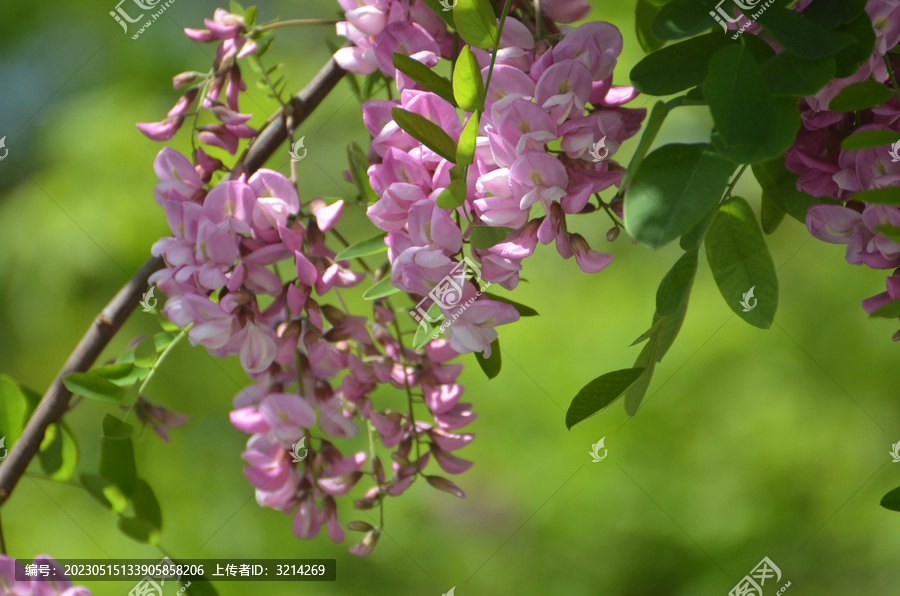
(186, 78)
(617, 207)
(365, 546)
(613, 233)
(360, 526)
(445, 485)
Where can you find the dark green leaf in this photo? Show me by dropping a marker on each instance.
(59, 455)
(741, 263)
(117, 455)
(94, 387)
(860, 96)
(734, 90)
(646, 360)
(654, 123)
(677, 67)
(831, 13)
(780, 185)
(890, 232)
(786, 74)
(145, 505)
(106, 493)
(672, 191)
(484, 237)
(694, 237)
(138, 529)
(490, 365)
(476, 23)
(850, 58)
(680, 19)
(891, 310)
(426, 132)
(468, 88)
(801, 36)
(892, 500)
(676, 285)
(771, 215)
(599, 393)
(525, 311)
(424, 76)
(870, 138)
(445, 15)
(645, 13)
(889, 195)
(453, 196)
(363, 248)
(380, 290)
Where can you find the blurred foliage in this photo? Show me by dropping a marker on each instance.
(749, 443)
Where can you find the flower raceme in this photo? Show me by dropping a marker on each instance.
(61, 587)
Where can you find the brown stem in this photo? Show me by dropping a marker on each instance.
(55, 402)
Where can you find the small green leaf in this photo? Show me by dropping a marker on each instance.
(645, 14)
(105, 492)
(59, 457)
(523, 310)
(465, 153)
(164, 339)
(787, 74)
(484, 237)
(889, 195)
(891, 232)
(436, 8)
(112, 372)
(891, 310)
(490, 365)
(364, 248)
(860, 96)
(140, 530)
(599, 393)
(801, 36)
(14, 410)
(235, 8)
(380, 290)
(468, 88)
(680, 19)
(116, 429)
(892, 500)
(145, 505)
(771, 214)
(676, 285)
(426, 132)
(424, 76)
(117, 455)
(453, 196)
(870, 138)
(741, 263)
(428, 326)
(780, 185)
(250, 16)
(358, 172)
(145, 353)
(476, 23)
(677, 67)
(94, 387)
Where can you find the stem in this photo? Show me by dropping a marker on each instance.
(734, 181)
(156, 364)
(409, 397)
(56, 400)
(487, 84)
(538, 18)
(295, 23)
(2, 540)
(890, 69)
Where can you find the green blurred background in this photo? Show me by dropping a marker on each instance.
(750, 444)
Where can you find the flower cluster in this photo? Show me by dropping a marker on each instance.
(826, 170)
(60, 587)
(548, 112)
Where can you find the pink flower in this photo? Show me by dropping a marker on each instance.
(564, 89)
(536, 176)
(565, 11)
(473, 329)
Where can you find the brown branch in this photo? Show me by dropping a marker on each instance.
(55, 401)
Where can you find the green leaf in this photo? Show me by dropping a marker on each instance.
(359, 165)
(646, 360)
(465, 153)
(426, 132)
(426, 331)
(645, 14)
(424, 76)
(890, 232)
(105, 492)
(734, 89)
(117, 455)
(235, 8)
(892, 500)
(801, 36)
(740, 262)
(853, 56)
(453, 196)
(654, 123)
(891, 310)
(250, 16)
(523, 310)
(484, 237)
(889, 195)
(860, 96)
(380, 290)
(680, 19)
(870, 138)
(364, 248)
(468, 88)
(831, 13)
(476, 23)
(490, 365)
(112, 372)
(677, 67)
(780, 185)
(676, 285)
(771, 214)
(94, 387)
(14, 410)
(138, 529)
(59, 457)
(673, 189)
(786, 74)
(436, 8)
(599, 393)
(145, 505)
(145, 353)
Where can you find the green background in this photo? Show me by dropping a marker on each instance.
(750, 443)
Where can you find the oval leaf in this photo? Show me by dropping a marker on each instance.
(870, 138)
(599, 393)
(676, 285)
(677, 67)
(490, 365)
(363, 248)
(380, 290)
(860, 96)
(424, 76)
(94, 387)
(426, 132)
(468, 88)
(484, 237)
(476, 23)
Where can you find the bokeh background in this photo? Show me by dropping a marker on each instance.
(750, 443)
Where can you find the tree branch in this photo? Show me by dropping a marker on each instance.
(55, 401)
